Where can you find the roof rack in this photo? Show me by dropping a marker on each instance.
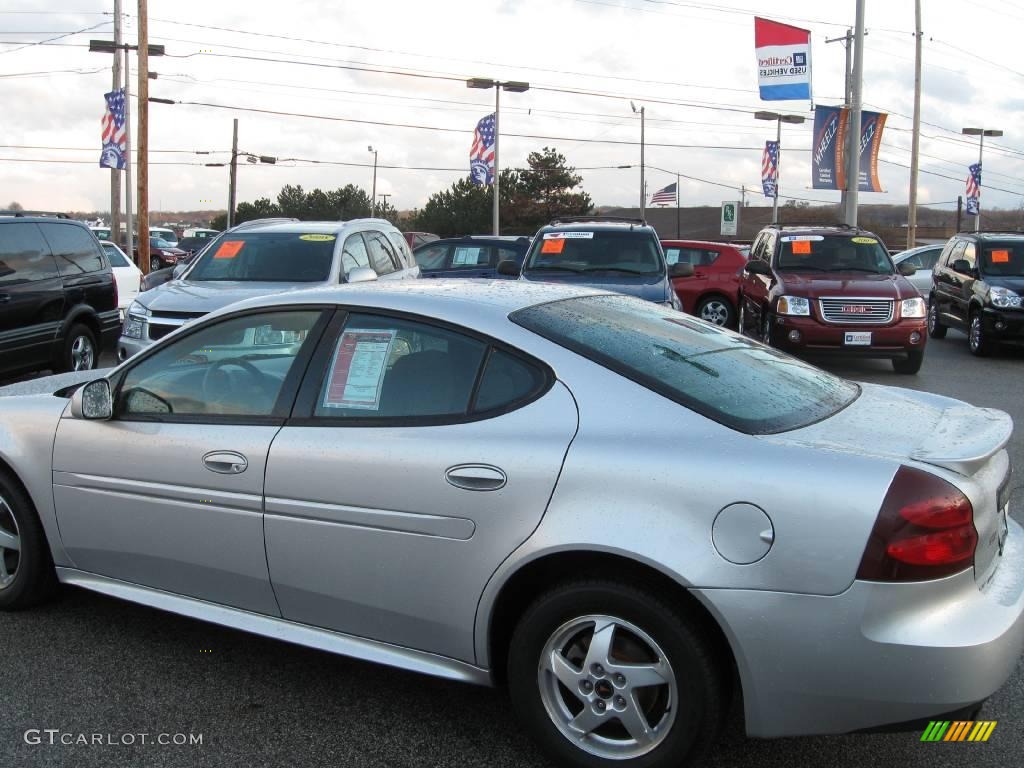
(991, 232)
(579, 219)
(22, 214)
(837, 224)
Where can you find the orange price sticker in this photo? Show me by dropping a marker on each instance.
(801, 247)
(552, 246)
(1000, 257)
(229, 249)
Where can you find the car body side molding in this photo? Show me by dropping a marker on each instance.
(281, 629)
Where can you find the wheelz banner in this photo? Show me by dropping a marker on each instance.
(828, 151)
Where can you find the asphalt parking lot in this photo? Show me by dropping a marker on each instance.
(87, 664)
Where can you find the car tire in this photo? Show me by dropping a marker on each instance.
(977, 340)
(676, 722)
(910, 364)
(26, 569)
(718, 311)
(935, 327)
(766, 328)
(154, 264)
(81, 352)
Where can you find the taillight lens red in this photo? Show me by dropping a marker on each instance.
(925, 530)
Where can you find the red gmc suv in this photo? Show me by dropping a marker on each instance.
(831, 290)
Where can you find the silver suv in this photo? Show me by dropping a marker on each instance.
(260, 258)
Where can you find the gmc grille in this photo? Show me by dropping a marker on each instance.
(856, 311)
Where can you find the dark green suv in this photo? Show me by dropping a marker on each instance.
(978, 287)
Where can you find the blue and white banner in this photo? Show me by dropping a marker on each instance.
(783, 60)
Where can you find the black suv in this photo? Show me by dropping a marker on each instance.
(978, 287)
(58, 298)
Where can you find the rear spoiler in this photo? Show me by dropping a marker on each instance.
(965, 439)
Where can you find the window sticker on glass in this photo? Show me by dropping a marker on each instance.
(1000, 257)
(863, 240)
(229, 249)
(552, 246)
(357, 371)
(801, 238)
(568, 235)
(317, 238)
(466, 257)
(801, 247)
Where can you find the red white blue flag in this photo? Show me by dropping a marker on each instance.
(974, 189)
(481, 154)
(783, 60)
(666, 196)
(113, 133)
(770, 169)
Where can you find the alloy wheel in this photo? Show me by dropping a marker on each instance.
(154, 265)
(10, 545)
(82, 354)
(608, 687)
(933, 317)
(975, 337)
(715, 311)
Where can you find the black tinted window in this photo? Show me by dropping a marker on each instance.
(506, 379)
(431, 257)
(278, 257)
(74, 249)
(743, 385)
(24, 254)
(388, 368)
(1003, 259)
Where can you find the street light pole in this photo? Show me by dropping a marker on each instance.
(981, 133)
(643, 187)
(513, 86)
(373, 193)
(233, 175)
(779, 120)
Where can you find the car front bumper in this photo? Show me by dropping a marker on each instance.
(894, 340)
(127, 347)
(1004, 324)
(877, 654)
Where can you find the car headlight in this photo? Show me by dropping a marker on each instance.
(1004, 298)
(793, 305)
(138, 308)
(132, 327)
(913, 307)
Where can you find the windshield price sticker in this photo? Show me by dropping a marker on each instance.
(568, 235)
(317, 238)
(864, 240)
(229, 249)
(357, 372)
(552, 246)
(801, 238)
(1000, 257)
(801, 247)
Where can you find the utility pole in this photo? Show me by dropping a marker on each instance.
(128, 222)
(853, 175)
(959, 211)
(233, 175)
(373, 191)
(915, 142)
(848, 103)
(496, 210)
(677, 208)
(743, 196)
(643, 186)
(385, 195)
(115, 174)
(143, 138)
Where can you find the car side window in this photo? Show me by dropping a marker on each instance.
(74, 249)
(114, 256)
(970, 255)
(24, 255)
(354, 254)
(955, 253)
(506, 380)
(509, 254)
(402, 249)
(768, 247)
(472, 256)
(757, 249)
(929, 259)
(432, 257)
(388, 368)
(913, 260)
(382, 256)
(236, 367)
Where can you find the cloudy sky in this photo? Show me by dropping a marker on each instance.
(359, 64)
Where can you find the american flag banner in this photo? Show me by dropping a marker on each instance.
(666, 196)
(770, 169)
(113, 131)
(481, 154)
(974, 189)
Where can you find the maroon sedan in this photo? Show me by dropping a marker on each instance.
(712, 292)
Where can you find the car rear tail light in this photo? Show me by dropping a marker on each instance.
(925, 530)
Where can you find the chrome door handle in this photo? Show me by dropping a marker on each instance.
(225, 462)
(476, 477)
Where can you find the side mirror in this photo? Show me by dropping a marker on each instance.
(179, 269)
(680, 269)
(360, 275)
(906, 269)
(508, 267)
(758, 267)
(93, 401)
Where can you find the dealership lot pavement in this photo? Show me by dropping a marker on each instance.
(88, 665)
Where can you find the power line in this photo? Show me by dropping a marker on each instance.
(49, 41)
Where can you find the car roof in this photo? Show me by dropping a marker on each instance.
(819, 229)
(41, 220)
(716, 243)
(504, 239)
(597, 225)
(992, 235)
(310, 227)
(486, 297)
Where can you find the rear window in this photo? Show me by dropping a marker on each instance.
(1002, 259)
(292, 257)
(833, 253)
(732, 380)
(115, 257)
(626, 252)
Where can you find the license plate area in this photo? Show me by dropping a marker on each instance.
(857, 338)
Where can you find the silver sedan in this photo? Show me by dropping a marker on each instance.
(613, 509)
